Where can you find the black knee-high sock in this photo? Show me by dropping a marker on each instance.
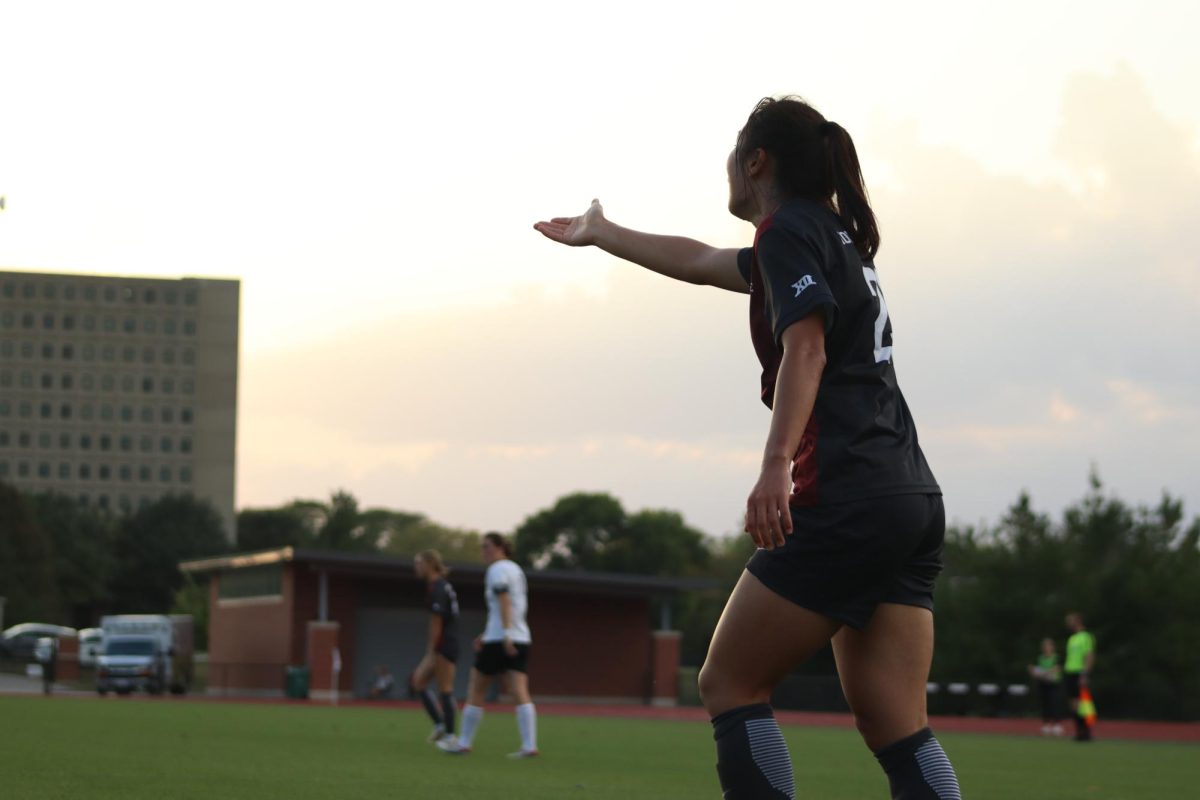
(752, 758)
(917, 769)
(448, 711)
(427, 700)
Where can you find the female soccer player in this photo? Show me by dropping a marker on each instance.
(846, 513)
(502, 649)
(442, 649)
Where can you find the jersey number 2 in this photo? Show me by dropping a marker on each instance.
(883, 352)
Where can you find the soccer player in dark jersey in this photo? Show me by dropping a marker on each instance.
(442, 649)
(846, 513)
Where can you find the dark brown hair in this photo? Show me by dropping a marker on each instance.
(500, 541)
(814, 159)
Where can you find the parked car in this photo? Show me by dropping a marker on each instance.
(19, 641)
(91, 645)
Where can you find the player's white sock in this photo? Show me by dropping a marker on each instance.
(471, 715)
(527, 725)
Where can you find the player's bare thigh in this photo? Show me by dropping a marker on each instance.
(424, 673)
(884, 669)
(444, 672)
(760, 638)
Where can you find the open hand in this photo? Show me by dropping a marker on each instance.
(768, 515)
(574, 231)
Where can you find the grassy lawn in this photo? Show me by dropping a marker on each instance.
(132, 749)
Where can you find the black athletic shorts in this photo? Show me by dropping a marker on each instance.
(492, 660)
(843, 560)
(1071, 684)
(448, 649)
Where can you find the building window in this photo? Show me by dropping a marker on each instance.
(84, 500)
(147, 415)
(48, 291)
(44, 440)
(148, 296)
(64, 441)
(169, 326)
(48, 321)
(26, 349)
(124, 503)
(105, 472)
(110, 294)
(23, 439)
(6, 348)
(108, 383)
(125, 472)
(168, 415)
(129, 354)
(106, 412)
(3, 469)
(102, 501)
(110, 324)
(171, 297)
(108, 353)
(24, 409)
(4, 439)
(28, 291)
(168, 356)
(89, 323)
(105, 441)
(64, 471)
(69, 291)
(126, 383)
(126, 414)
(126, 444)
(5, 408)
(168, 385)
(146, 444)
(67, 382)
(261, 581)
(27, 320)
(189, 327)
(89, 352)
(149, 325)
(89, 293)
(189, 356)
(128, 294)
(26, 379)
(165, 444)
(147, 385)
(64, 411)
(185, 444)
(48, 351)
(85, 442)
(88, 382)
(164, 475)
(6, 379)
(189, 297)
(47, 380)
(45, 411)
(148, 355)
(129, 325)
(43, 470)
(185, 416)
(144, 474)
(68, 351)
(87, 412)
(85, 472)
(188, 386)
(22, 469)
(10, 289)
(68, 322)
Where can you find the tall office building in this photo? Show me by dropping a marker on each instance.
(117, 391)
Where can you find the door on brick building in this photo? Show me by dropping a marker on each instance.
(396, 638)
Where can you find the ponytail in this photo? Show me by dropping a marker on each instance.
(433, 560)
(814, 159)
(850, 192)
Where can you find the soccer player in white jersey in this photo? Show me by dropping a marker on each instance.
(502, 649)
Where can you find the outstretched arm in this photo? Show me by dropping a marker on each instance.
(674, 256)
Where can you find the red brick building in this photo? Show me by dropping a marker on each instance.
(596, 637)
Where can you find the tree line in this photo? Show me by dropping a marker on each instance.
(1134, 572)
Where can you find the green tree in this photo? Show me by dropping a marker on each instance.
(571, 534)
(82, 542)
(192, 598)
(150, 544)
(27, 578)
(268, 528)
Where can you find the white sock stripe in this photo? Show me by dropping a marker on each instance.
(937, 771)
(770, 754)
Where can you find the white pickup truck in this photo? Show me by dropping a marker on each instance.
(145, 651)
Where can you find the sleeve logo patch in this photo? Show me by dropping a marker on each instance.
(803, 284)
(845, 237)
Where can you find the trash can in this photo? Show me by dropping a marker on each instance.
(296, 684)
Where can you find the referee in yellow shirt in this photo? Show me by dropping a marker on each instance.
(1081, 657)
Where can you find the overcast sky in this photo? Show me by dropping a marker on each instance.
(371, 172)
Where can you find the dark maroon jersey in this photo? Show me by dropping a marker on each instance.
(860, 441)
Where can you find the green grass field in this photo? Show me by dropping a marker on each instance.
(74, 748)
